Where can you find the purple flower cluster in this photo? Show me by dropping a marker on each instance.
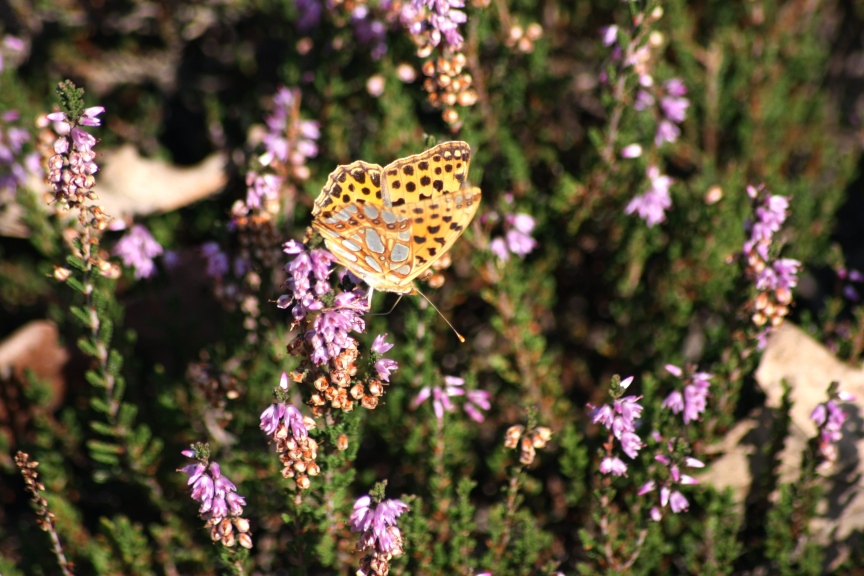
(72, 167)
(434, 20)
(829, 417)
(851, 276)
(217, 260)
(774, 277)
(665, 102)
(676, 501)
(329, 331)
(137, 248)
(216, 493)
(11, 46)
(377, 525)
(652, 205)
(284, 414)
(693, 400)
(309, 14)
(620, 419)
(477, 400)
(517, 237)
(370, 30)
(14, 168)
(290, 140)
(383, 366)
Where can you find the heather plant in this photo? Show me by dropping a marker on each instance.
(252, 383)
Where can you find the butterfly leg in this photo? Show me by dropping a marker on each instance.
(369, 299)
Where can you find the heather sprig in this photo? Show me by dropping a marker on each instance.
(692, 399)
(137, 248)
(288, 429)
(516, 233)
(220, 506)
(475, 400)
(277, 168)
(47, 520)
(619, 417)
(672, 460)
(829, 417)
(12, 49)
(374, 517)
(634, 88)
(15, 160)
(327, 319)
(72, 169)
(773, 278)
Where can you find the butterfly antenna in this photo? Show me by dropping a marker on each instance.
(389, 311)
(458, 335)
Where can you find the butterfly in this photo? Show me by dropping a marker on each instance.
(389, 225)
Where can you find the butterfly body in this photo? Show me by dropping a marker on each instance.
(389, 225)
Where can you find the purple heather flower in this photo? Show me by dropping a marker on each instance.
(666, 132)
(310, 14)
(693, 399)
(441, 21)
(261, 188)
(72, 167)
(369, 30)
(829, 417)
(14, 163)
(217, 261)
(306, 266)
(329, 333)
(11, 45)
(283, 414)
(384, 366)
(675, 109)
(643, 101)
(137, 248)
(675, 87)
(631, 151)
(216, 493)
(620, 419)
(517, 237)
(676, 501)
(652, 205)
(477, 400)
(375, 523)
(630, 443)
(304, 133)
(613, 465)
(609, 34)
